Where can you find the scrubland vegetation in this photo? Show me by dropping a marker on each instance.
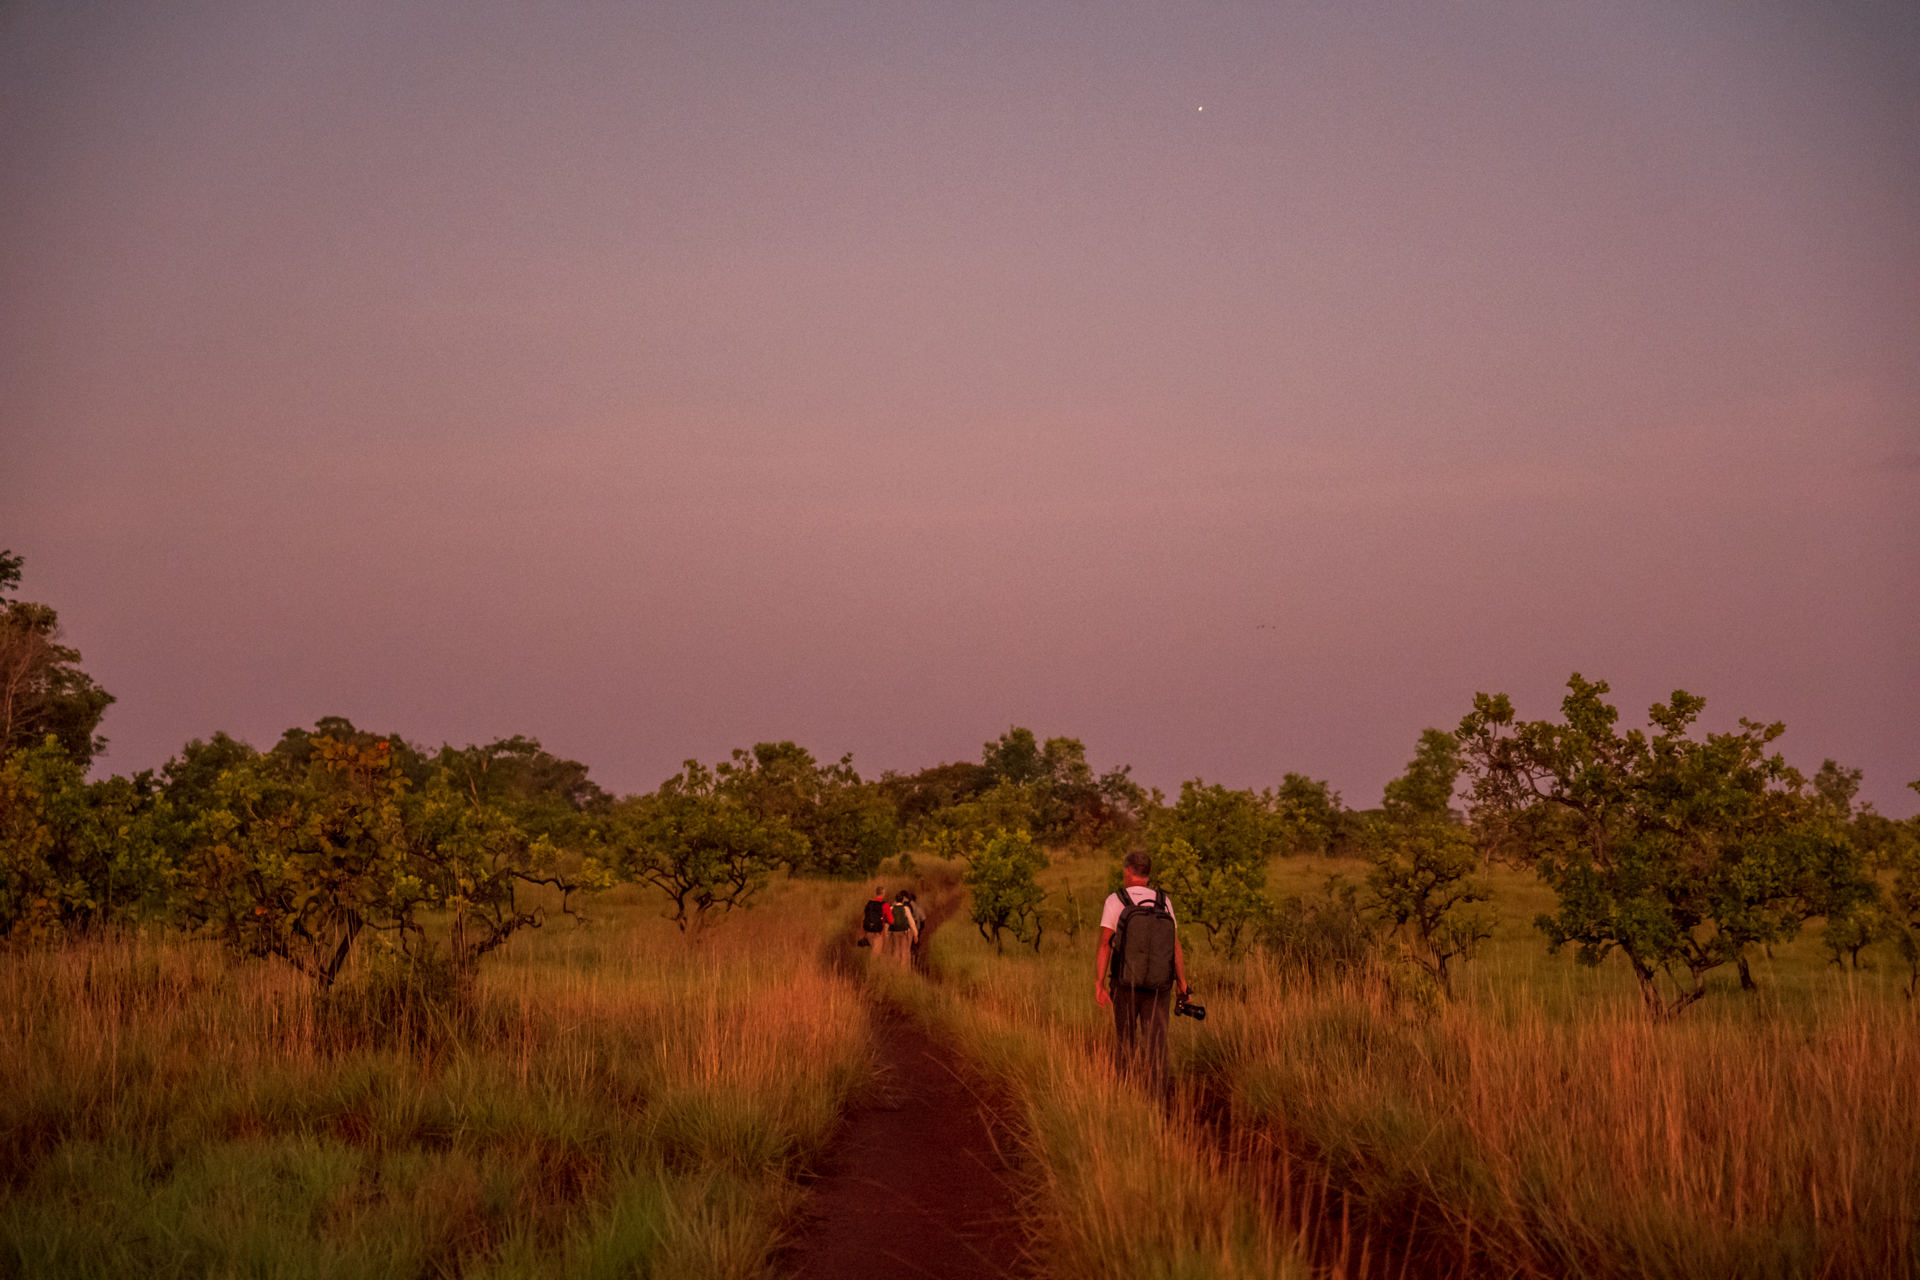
(606, 1101)
(1571, 1000)
(1538, 1123)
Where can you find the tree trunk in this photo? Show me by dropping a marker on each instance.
(334, 942)
(1649, 993)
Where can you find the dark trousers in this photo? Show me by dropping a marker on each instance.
(1140, 1034)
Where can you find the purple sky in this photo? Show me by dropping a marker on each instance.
(1238, 388)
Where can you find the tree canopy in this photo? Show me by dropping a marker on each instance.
(1421, 887)
(43, 691)
(1679, 852)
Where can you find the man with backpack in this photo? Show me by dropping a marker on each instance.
(877, 920)
(1139, 962)
(905, 927)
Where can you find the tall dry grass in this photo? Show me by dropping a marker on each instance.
(607, 1100)
(1119, 1185)
(1602, 1144)
(1540, 1125)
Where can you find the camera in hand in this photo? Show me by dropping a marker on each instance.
(1184, 1007)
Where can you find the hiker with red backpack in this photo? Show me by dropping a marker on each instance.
(1139, 962)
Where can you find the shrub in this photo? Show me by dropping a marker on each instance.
(1000, 878)
(1324, 935)
(1227, 897)
(696, 842)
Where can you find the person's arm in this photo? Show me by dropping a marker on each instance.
(1179, 965)
(1100, 958)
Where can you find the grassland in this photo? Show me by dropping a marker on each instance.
(612, 1101)
(617, 1101)
(1538, 1124)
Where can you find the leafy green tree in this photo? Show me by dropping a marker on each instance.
(1902, 915)
(1839, 884)
(72, 853)
(1069, 803)
(1424, 793)
(1836, 786)
(853, 829)
(1015, 757)
(1679, 853)
(1067, 793)
(918, 797)
(1048, 779)
(850, 826)
(299, 864)
(297, 754)
(1852, 930)
(544, 794)
(43, 691)
(1123, 806)
(296, 866)
(1422, 879)
(1876, 836)
(1226, 896)
(191, 780)
(1857, 911)
(698, 844)
(959, 830)
(1005, 897)
(1082, 808)
(1310, 814)
(1222, 826)
(1211, 849)
(1515, 836)
(471, 859)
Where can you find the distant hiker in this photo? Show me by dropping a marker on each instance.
(1140, 960)
(877, 918)
(919, 917)
(905, 929)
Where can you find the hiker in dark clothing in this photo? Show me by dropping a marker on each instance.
(905, 929)
(919, 919)
(876, 919)
(1141, 973)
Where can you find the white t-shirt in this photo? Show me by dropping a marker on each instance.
(1110, 913)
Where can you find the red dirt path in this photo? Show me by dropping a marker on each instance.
(916, 1184)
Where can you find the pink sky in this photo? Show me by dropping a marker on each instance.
(1237, 388)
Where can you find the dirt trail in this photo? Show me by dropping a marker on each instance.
(917, 1181)
(916, 1184)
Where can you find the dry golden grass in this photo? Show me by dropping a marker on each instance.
(1723, 1144)
(1119, 1186)
(1540, 1125)
(609, 1099)
(616, 1100)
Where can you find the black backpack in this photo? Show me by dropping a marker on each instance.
(876, 919)
(1143, 944)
